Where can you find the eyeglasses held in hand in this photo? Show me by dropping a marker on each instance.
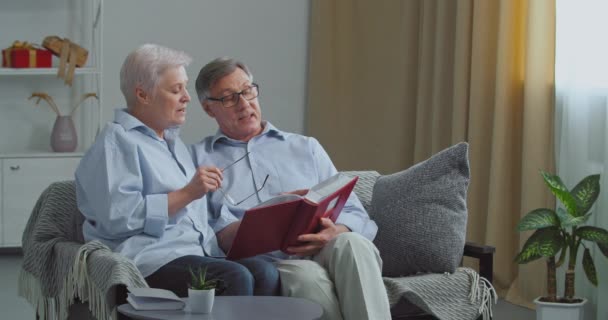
(236, 203)
(249, 93)
(228, 197)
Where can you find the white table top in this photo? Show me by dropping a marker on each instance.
(237, 307)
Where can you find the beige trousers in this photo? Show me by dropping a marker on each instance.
(345, 278)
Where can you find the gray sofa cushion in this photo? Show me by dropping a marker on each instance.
(364, 187)
(421, 214)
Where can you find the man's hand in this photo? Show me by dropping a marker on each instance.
(225, 237)
(316, 241)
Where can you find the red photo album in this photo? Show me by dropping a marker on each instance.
(275, 224)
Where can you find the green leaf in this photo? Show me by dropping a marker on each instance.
(589, 267)
(603, 248)
(202, 276)
(554, 182)
(192, 275)
(544, 242)
(586, 192)
(560, 191)
(528, 255)
(537, 219)
(529, 252)
(594, 234)
(567, 220)
(199, 279)
(550, 242)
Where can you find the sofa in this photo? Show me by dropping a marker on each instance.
(421, 214)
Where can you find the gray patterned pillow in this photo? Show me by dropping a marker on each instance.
(365, 186)
(421, 214)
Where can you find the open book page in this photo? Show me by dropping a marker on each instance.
(324, 189)
(315, 194)
(154, 299)
(278, 199)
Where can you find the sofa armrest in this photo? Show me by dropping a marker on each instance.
(485, 255)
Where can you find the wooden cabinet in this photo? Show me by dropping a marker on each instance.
(23, 180)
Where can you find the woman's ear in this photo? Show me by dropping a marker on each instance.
(141, 95)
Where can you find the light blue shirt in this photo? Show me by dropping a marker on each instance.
(291, 161)
(122, 186)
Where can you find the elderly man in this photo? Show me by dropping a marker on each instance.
(140, 192)
(338, 267)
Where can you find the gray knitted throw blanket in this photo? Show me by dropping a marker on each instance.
(57, 268)
(461, 295)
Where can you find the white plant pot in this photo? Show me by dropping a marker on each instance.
(200, 301)
(559, 311)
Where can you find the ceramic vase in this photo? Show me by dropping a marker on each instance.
(200, 301)
(63, 137)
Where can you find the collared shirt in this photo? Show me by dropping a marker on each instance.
(291, 161)
(122, 186)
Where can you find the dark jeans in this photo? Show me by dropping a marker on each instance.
(257, 275)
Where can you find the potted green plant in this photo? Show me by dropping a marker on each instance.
(562, 232)
(201, 291)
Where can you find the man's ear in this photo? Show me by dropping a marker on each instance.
(207, 109)
(141, 95)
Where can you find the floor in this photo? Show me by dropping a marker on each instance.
(15, 307)
(12, 306)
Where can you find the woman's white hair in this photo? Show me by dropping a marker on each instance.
(144, 66)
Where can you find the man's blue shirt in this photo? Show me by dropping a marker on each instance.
(122, 186)
(291, 161)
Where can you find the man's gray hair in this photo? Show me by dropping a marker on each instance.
(144, 66)
(215, 70)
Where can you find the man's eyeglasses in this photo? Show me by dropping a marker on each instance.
(249, 93)
(228, 197)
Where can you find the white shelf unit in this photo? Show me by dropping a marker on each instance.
(43, 71)
(28, 163)
(31, 20)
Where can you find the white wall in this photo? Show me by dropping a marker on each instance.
(270, 36)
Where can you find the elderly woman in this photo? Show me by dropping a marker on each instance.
(141, 194)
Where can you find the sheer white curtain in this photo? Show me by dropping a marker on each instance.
(581, 84)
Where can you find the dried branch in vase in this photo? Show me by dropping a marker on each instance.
(49, 100)
(82, 99)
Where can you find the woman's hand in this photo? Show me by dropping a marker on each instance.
(205, 179)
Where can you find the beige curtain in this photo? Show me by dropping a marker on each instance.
(393, 82)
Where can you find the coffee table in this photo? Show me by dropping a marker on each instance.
(237, 307)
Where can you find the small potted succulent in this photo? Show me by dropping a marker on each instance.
(562, 232)
(201, 291)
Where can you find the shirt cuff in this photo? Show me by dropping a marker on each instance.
(157, 215)
(354, 223)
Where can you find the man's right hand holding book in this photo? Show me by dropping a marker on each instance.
(316, 241)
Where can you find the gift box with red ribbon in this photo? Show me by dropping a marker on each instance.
(26, 56)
